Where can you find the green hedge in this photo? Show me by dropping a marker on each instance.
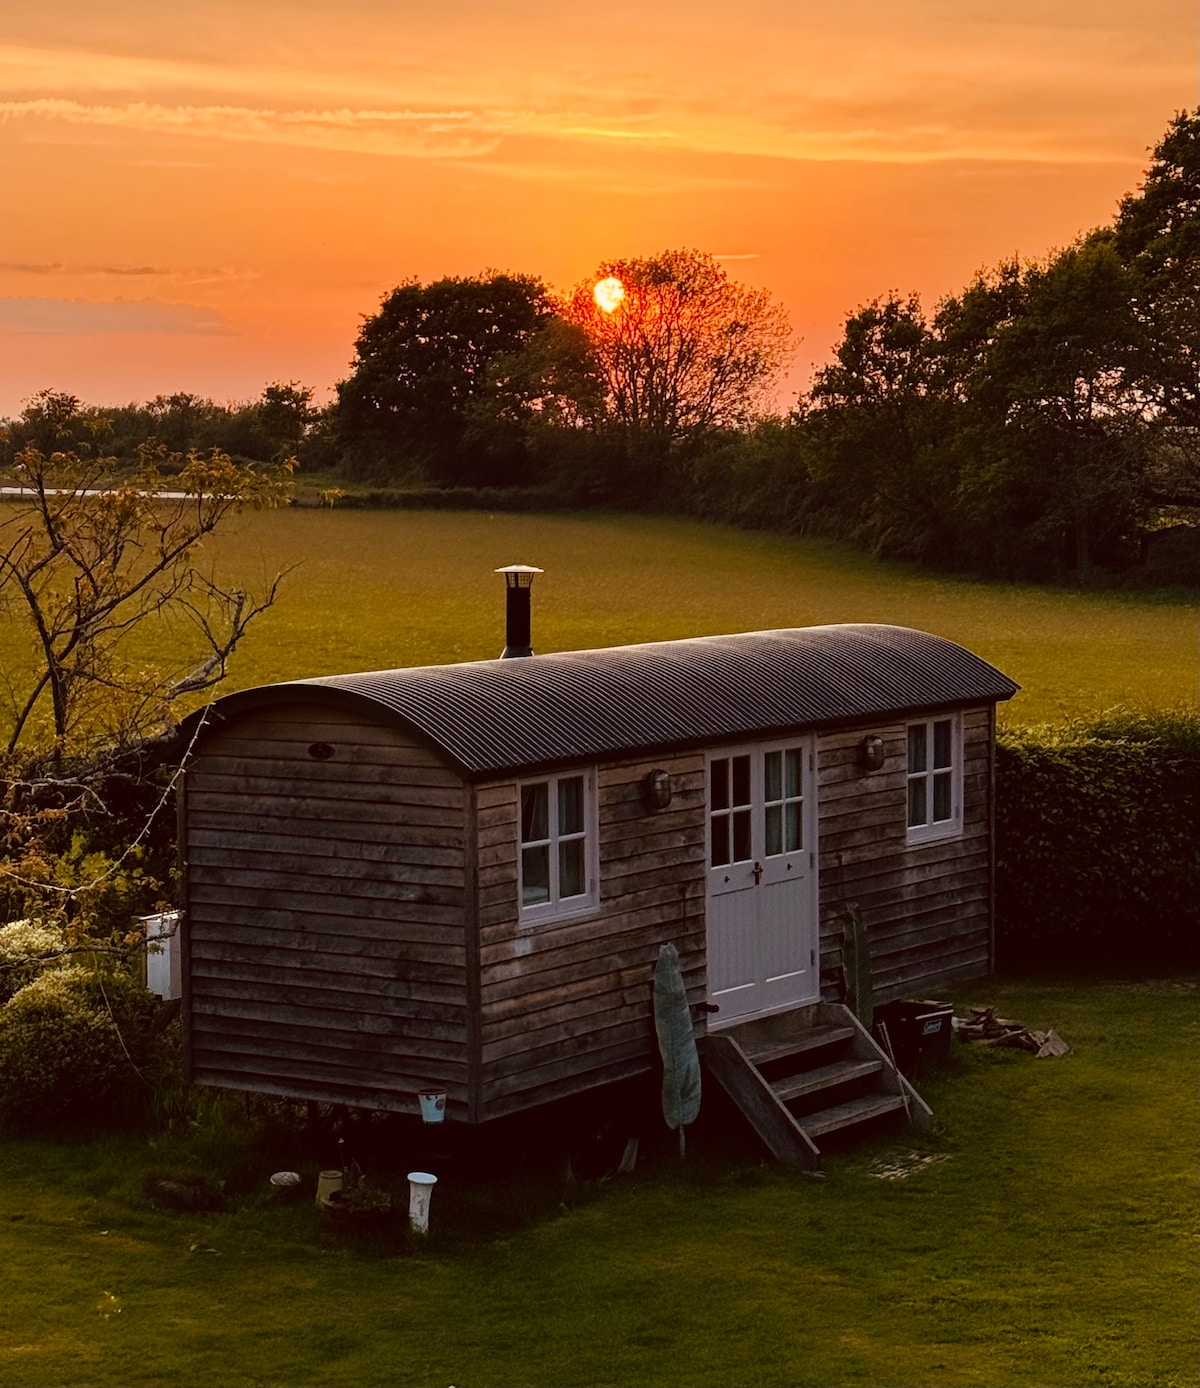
(534, 499)
(76, 1044)
(1098, 842)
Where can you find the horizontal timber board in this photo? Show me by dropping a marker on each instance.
(443, 1018)
(624, 840)
(274, 811)
(496, 817)
(630, 812)
(422, 1001)
(614, 1062)
(310, 848)
(886, 822)
(930, 941)
(563, 1041)
(283, 966)
(644, 854)
(492, 795)
(303, 1051)
(582, 1083)
(304, 721)
(631, 1008)
(868, 844)
(244, 959)
(619, 882)
(516, 978)
(944, 927)
(411, 962)
(906, 905)
(242, 869)
(296, 1031)
(364, 1012)
(217, 1060)
(579, 995)
(414, 906)
(502, 944)
(893, 859)
(618, 797)
(420, 804)
(596, 931)
(889, 895)
(923, 984)
(682, 884)
(282, 820)
(969, 963)
(398, 1101)
(359, 765)
(674, 894)
(497, 857)
(881, 790)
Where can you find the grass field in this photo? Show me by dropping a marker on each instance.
(1052, 1241)
(379, 589)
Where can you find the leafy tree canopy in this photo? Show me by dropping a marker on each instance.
(424, 361)
(686, 351)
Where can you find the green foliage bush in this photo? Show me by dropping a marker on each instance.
(25, 946)
(1098, 841)
(76, 1044)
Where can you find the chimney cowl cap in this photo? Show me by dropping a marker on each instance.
(519, 575)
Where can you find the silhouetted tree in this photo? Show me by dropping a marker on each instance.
(424, 365)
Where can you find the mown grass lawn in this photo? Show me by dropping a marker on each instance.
(1051, 1242)
(379, 589)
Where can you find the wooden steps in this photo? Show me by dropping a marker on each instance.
(807, 1074)
(824, 1077)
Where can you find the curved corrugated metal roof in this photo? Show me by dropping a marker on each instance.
(490, 716)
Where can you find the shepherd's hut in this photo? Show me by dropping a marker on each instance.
(458, 877)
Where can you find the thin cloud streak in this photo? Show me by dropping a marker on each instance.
(405, 133)
(84, 316)
(459, 135)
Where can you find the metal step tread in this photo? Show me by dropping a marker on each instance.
(824, 1077)
(844, 1115)
(808, 1040)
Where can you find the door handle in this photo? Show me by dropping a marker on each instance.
(758, 872)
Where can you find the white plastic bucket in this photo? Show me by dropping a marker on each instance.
(433, 1105)
(420, 1192)
(327, 1183)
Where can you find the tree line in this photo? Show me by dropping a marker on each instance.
(1041, 423)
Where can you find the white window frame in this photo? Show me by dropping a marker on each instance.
(931, 830)
(559, 907)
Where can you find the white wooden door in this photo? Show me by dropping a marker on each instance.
(762, 908)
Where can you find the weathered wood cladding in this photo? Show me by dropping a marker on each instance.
(566, 1005)
(353, 931)
(927, 906)
(326, 901)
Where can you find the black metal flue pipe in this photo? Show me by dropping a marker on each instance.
(518, 639)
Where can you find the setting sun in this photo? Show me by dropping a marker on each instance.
(609, 294)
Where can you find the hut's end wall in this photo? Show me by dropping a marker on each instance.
(325, 916)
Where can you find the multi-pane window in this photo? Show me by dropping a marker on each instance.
(783, 801)
(756, 805)
(934, 779)
(556, 846)
(730, 804)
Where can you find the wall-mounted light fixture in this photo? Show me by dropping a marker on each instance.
(656, 790)
(871, 753)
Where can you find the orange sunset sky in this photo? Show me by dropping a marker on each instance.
(208, 197)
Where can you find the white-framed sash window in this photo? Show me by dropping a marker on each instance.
(934, 778)
(557, 868)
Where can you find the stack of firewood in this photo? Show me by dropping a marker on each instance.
(986, 1028)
